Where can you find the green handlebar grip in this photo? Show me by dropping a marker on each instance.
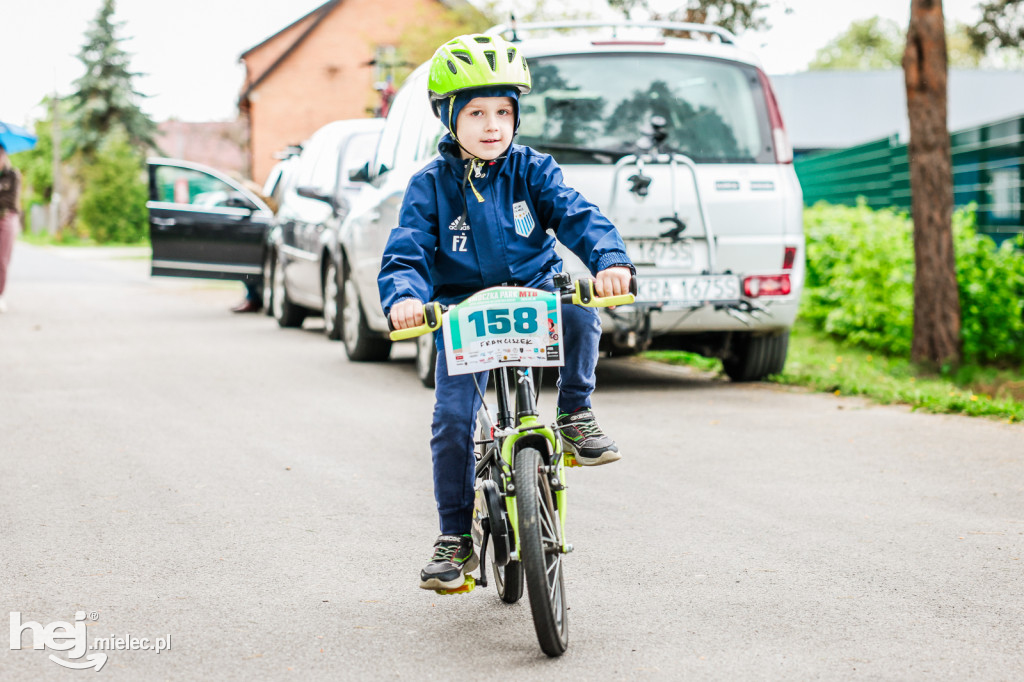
(431, 315)
(586, 295)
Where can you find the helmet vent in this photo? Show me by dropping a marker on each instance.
(464, 56)
(451, 67)
(492, 59)
(482, 39)
(511, 54)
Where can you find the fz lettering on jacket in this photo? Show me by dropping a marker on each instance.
(461, 237)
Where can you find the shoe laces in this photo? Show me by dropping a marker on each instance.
(445, 550)
(588, 427)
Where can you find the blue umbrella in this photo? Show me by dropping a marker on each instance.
(15, 138)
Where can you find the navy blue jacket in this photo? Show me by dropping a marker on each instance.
(434, 255)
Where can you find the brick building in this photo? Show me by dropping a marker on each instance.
(319, 69)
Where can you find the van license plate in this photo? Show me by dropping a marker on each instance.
(662, 253)
(696, 290)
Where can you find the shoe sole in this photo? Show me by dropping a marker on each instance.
(606, 457)
(436, 584)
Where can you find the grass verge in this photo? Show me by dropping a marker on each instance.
(824, 364)
(66, 238)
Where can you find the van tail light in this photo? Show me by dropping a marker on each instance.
(766, 285)
(789, 258)
(780, 140)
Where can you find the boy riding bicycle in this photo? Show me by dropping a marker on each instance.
(476, 217)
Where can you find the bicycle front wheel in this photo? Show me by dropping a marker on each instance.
(540, 544)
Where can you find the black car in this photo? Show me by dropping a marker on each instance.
(302, 261)
(205, 224)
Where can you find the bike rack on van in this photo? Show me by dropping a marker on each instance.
(722, 34)
(672, 160)
(639, 332)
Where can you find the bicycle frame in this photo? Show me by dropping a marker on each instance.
(526, 429)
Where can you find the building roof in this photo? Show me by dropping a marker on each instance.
(838, 109)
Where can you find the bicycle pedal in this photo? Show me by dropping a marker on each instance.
(570, 461)
(465, 588)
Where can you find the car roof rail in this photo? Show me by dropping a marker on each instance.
(723, 35)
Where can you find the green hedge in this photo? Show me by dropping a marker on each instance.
(860, 282)
(113, 204)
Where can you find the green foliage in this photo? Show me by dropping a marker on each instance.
(36, 165)
(860, 283)
(991, 294)
(113, 204)
(877, 43)
(873, 43)
(104, 101)
(1001, 24)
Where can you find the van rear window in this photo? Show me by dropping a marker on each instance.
(597, 108)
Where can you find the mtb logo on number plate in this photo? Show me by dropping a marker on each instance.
(504, 326)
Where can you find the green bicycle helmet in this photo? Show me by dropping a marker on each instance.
(476, 61)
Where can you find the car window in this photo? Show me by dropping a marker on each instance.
(393, 128)
(409, 137)
(358, 151)
(306, 166)
(325, 170)
(187, 186)
(430, 133)
(714, 108)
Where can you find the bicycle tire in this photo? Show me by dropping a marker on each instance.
(540, 553)
(508, 579)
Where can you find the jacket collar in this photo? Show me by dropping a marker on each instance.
(451, 153)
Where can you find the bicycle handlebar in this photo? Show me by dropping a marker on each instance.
(584, 294)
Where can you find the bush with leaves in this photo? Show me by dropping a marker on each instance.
(860, 282)
(113, 204)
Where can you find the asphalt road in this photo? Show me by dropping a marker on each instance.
(170, 469)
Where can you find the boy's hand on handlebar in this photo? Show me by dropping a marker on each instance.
(407, 314)
(613, 281)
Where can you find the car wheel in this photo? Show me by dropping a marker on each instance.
(268, 284)
(361, 343)
(755, 357)
(332, 303)
(426, 359)
(286, 313)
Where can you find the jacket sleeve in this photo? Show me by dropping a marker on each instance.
(411, 247)
(577, 223)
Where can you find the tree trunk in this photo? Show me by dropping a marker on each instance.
(936, 298)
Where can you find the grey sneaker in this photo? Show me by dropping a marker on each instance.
(453, 558)
(582, 435)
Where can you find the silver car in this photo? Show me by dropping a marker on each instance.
(679, 141)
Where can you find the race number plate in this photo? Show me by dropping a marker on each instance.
(689, 291)
(504, 326)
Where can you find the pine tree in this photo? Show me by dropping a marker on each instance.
(104, 101)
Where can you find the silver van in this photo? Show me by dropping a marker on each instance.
(678, 140)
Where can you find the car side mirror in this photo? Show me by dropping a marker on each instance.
(238, 201)
(317, 195)
(361, 174)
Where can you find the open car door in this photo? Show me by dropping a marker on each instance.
(204, 224)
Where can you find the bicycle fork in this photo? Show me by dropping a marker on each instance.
(531, 432)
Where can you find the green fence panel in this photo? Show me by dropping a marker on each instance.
(987, 170)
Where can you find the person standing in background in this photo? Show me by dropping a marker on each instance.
(10, 217)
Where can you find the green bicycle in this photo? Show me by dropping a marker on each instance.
(520, 509)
